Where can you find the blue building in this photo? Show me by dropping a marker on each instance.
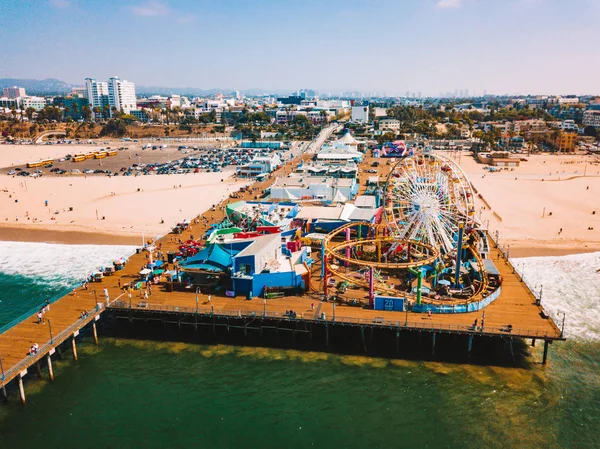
(251, 267)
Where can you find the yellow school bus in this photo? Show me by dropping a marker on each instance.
(79, 157)
(40, 163)
(100, 155)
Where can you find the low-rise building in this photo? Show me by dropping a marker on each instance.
(389, 124)
(565, 142)
(260, 165)
(296, 186)
(591, 118)
(360, 114)
(569, 125)
(37, 103)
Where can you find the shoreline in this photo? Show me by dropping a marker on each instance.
(66, 236)
(26, 233)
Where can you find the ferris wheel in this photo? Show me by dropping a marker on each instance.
(428, 197)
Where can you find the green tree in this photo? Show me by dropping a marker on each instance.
(86, 112)
(114, 127)
(590, 131)
(29, 113)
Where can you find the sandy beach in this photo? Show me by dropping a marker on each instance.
(544, 207)
(124, 206)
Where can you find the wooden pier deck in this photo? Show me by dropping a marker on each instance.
(516, 305)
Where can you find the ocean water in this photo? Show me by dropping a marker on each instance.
(30, 273)
(127, 393)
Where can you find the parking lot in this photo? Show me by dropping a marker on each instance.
(148, 159)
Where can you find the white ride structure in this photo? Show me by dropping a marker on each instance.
(428, 199)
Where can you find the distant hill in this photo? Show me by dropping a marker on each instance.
(32, 87)
(54, 86)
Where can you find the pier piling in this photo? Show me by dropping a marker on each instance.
(38, 369)
(4, 395)
(469, 346)
(95, 332)
(545, 357)
(362, 338)
(533, 342)
(21, 390)
(50, 370)
(397, 342)
(433, 335)
(74, 346)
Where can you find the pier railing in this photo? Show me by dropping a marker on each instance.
(46, 347)
(32, 311)
(400, 324)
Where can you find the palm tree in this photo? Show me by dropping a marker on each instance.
(86, 112)
(97, 111)
(29, 113)
(75, 110)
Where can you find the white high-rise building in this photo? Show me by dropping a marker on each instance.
(97, 93)
(14, 92)
(121, 94)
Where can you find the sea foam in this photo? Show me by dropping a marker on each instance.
(57, 264)
(570, 285)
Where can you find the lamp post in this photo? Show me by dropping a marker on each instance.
(562, 327)
(2, 369)
(50, 329)
(95, 297)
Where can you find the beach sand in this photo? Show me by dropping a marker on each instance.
(121, 206)
(529, 205)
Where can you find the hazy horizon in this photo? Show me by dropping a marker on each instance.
(392, 47)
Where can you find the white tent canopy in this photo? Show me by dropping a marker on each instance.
(339, 197)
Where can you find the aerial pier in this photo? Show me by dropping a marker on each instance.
(311, 319)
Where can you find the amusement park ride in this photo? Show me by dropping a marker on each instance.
(428, 253)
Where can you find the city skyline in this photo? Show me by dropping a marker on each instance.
(429, 47)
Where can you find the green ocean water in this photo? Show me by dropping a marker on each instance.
(127, 393)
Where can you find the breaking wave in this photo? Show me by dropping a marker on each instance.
(570, 285)
(56, 263)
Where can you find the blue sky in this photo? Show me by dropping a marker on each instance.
(392, 46)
